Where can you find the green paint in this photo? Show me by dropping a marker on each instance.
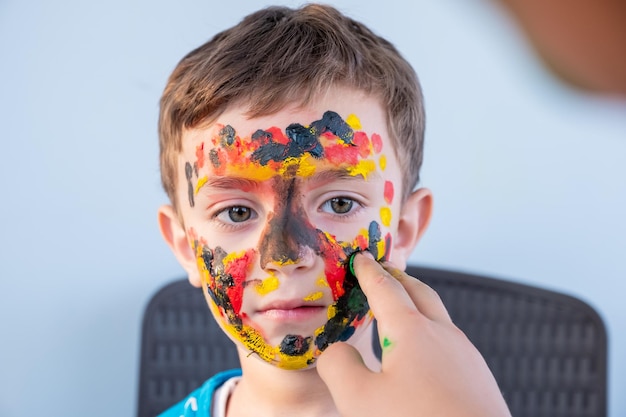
(351, 263)
(386, 343)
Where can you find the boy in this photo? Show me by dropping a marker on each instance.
(290, 143)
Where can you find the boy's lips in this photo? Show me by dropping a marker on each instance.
(291, 310)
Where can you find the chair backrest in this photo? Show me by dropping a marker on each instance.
(547, 350)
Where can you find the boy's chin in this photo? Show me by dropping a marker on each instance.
(298, 353)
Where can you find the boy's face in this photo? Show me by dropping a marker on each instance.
(272, 209)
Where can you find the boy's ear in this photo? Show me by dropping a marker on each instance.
(415, 216)
(174, 234)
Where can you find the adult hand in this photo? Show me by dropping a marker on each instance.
(429, 367)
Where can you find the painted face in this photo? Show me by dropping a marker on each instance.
(273, 215)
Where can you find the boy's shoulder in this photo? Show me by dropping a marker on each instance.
(200, 401)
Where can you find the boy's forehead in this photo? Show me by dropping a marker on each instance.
(345, 102)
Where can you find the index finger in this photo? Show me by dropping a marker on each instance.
(423, 298)
(386, 296)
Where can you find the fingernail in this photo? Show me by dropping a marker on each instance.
(368, 254)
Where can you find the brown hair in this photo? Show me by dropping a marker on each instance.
(279, 56)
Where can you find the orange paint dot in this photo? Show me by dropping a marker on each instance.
(200, 155)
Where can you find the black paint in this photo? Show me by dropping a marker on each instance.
(302, 139)
(190, 190)
(295, 345)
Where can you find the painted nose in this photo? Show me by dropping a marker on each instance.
(288, 239)
(304, 260)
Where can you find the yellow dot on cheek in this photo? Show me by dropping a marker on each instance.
(385, 216)
(382, 162)
(267, 285)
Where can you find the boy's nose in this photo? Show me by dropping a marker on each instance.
(282, 264)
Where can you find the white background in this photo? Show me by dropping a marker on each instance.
(528, 177)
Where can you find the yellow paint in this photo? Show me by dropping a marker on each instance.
(253, 340)
(363, 168)
(314, 296)
(353, 121)
(332, 311)
(331, 238)
(267, 285)
(382, 162)
(259, 173)
(306, 165)
(289, 165)
(380, 246)
(385, 216)
(233, 256)
(322, 282)
(200, 183)
(286, 262)
(294, 362)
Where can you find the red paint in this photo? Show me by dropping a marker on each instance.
(377, 142)
(362, 242)
(388, 192)
(278, 135)
(328, 135)
(340, 154)
(362, 143)
(334, 270)
(200, 155)
(238, 268)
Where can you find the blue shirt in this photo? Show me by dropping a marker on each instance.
(198, 403)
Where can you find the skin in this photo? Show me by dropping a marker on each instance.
(278, 277)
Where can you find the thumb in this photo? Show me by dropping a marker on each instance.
(342, 369)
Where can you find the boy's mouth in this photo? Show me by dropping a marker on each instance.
(291, 310)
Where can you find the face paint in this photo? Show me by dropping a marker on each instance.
(386, 345)
(283, 160)
(224, 280)
(388, 192)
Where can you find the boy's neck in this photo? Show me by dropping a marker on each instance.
(267, 391)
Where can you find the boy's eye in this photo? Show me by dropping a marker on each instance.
(340, 205)
(236, 214)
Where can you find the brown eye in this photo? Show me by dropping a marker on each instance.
(239, 214)
(341, 205)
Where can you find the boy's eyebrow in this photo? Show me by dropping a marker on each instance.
(246, 184)
(229, 183)
(341, 174)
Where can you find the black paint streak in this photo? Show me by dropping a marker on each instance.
(189, 175)
(214, 263)
(332, 122)
(301, 139)
(374, 238)
(351, 306)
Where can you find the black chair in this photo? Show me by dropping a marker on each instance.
(548, 351)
